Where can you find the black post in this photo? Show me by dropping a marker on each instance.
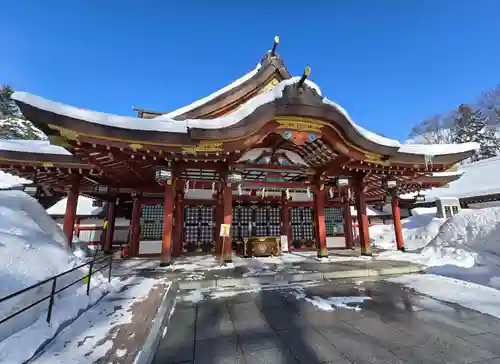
(90, 275)
(51, 301)
(110, 265)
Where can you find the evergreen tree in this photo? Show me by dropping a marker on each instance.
(12, 123)
(472, 126)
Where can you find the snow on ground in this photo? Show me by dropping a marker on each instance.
(466, 294)
(33, 248)
(330, 303)
(418, 230)
(88, 338)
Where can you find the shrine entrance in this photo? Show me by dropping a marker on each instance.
(199, 229)
(303, 227)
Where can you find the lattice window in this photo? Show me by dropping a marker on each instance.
(303, 228)
(198, 228)
(334, 221)
(152, 222)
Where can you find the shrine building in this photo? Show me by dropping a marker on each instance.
(269, 155)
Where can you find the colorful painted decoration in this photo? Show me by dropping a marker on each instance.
(299, 137)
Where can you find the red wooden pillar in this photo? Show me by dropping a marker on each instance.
(396, 216)
(285, 220)
(319, 214)
(168, 211)
(179, 224)
(227, 248)
(219, 220)
(346, 207)
(110, 230)
(71, 204)
(135, 226)
(364, 234)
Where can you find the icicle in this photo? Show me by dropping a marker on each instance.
(213, 188)
(428, 161)
(186, 187)
(240, 190)
(287, 194)
(330, 192)
(308, 192)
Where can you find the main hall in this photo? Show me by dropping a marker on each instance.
(268, 156)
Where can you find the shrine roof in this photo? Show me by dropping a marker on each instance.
(270, 71)
(285, 100)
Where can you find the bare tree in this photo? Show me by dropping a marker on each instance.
(438, 129)
(489, 103)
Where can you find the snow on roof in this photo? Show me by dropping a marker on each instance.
(165, 123)
(83, 208)
(31, 146)
(425, 149)
(162, 123)
(212, 96)
(370, 211)
(479, 178)
(8, 180)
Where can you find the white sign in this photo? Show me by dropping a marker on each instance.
(284, 243)
(224, 230)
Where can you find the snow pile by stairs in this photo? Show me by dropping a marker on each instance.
(32, 249)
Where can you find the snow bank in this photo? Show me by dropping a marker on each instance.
(33, 248)
(474, 296)
(418, 231)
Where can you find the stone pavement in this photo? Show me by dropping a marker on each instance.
(245, 273)
(277, 326)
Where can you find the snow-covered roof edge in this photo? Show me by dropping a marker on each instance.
(161, 123)
(164, 123)
(212, 96)
(83, 208)
(31, 146)
(424, 149)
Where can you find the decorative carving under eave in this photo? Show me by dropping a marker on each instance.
(204, 147)
(299, 125)
(299, 137)
(59, 140)
(65, 133)
(272, 84)
(135, 147)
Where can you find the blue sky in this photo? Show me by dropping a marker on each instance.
(389, 63)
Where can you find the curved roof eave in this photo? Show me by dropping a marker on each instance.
(285, 100)
(229, 96)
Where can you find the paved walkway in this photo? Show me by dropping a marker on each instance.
(201, 272)
(113, 330)
(391, 325)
